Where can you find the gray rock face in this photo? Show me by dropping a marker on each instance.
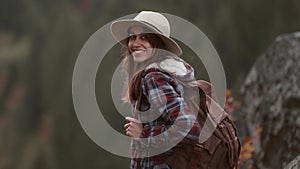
(294, 164)
(271, 100)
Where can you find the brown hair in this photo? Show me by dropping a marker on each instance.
(135, 71)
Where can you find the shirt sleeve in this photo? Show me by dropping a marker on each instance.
(172, 120)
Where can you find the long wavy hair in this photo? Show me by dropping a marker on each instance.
(135, 71)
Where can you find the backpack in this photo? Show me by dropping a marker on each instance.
(221, 147)
(217, 149)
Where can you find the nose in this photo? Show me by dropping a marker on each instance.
(137, 41)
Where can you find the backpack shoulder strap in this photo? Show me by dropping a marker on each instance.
(214, 109)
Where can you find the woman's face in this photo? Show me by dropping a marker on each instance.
(139, 45)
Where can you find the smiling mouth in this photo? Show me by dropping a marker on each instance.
(138, 51)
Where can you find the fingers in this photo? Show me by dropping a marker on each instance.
(133, 127)
(130, 126)
(129, 130)
(127, 125)
(130, 119)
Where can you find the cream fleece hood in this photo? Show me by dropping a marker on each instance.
(177, 67)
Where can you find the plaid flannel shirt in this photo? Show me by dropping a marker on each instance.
(165, 95)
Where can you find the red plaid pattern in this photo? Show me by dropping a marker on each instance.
(165, 96)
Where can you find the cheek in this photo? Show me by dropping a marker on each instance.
(149, 45)
(129, 44)
(151, 51)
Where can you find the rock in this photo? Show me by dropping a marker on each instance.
(271, 101)
(294, 164)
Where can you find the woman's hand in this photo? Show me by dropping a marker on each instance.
(133, 127)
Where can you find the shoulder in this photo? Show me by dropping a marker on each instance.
(158, 74)
(158, 79)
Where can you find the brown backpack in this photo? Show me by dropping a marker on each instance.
(216, 149)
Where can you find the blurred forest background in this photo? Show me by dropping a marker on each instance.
(40, 41)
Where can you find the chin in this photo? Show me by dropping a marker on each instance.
(139, 59)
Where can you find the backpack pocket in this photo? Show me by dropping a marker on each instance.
(212, 154)
(215, 152)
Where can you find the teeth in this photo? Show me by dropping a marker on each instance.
(138, 51)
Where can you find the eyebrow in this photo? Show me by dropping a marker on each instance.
(132, 33)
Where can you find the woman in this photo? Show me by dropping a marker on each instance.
(162, 120)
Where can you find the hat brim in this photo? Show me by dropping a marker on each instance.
(120, 29)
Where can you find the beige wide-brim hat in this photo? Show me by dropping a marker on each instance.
(152, 21)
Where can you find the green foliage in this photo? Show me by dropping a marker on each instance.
(39, 44)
